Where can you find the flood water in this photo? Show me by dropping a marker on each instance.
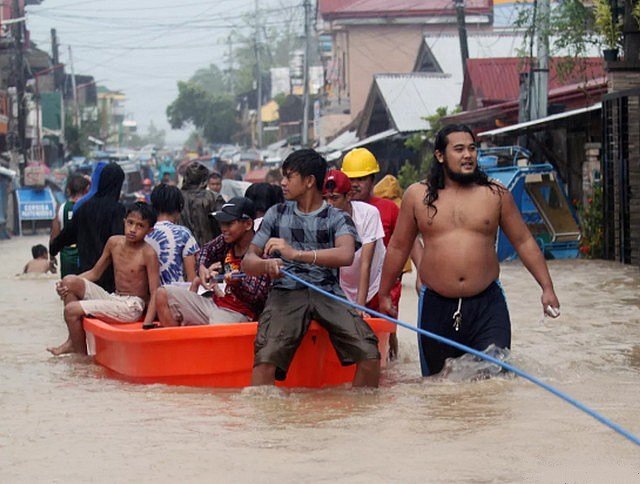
(64, 420)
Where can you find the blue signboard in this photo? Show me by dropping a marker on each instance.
(35, 204)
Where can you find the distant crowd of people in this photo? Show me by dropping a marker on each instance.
(187, 256)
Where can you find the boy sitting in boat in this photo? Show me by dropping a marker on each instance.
(135, 266)
(243, 298)
(40, 262)
(311, 240)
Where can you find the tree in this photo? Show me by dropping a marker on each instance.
(571, 28)
(211, 79)
(214, 114)
(205, 100)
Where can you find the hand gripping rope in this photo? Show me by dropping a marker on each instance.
(479, 354)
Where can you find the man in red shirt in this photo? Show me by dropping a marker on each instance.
(361, 167)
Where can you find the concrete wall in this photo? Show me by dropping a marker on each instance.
(377, 49)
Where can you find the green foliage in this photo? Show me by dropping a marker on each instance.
(407, 175)
(214, 114)
(206, 100)
(211, 79)
(591, 222)
(571, 27)
(610, 31)
(280, 98)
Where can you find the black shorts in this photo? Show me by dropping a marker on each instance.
(286, 318)
(485, 321)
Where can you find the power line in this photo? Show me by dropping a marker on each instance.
(134, 9)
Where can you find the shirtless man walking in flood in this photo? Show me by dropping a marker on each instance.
(458, 211)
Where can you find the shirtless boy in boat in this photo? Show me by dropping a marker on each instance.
(458, 211)
(135, 266)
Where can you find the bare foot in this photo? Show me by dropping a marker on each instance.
(66, 347)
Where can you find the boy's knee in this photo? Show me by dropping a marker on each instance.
(73, 310)
(74, 283)
(70, 279)
(162, 298)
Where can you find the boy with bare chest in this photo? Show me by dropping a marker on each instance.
(135, 265)
(458, 211)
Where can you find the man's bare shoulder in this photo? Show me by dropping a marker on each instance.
(415, 193)
(418, 188)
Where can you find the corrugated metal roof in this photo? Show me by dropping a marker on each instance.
(372, 139)
(335, 153)
(331, 9)
(497, 80)
(446, 49)
(340, 142)
(409, 98)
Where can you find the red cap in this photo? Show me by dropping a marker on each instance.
(336, 181)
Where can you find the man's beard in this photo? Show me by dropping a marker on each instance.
(462, 178)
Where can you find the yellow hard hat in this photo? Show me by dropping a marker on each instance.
(359, 162)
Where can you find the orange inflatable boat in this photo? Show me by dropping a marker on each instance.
(214, 356)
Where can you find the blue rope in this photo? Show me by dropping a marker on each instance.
(484, 356)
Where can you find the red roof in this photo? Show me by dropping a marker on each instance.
(492, 81)
(572, 96)
(336, 9)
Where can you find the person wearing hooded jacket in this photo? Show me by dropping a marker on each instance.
(199, 204)
(97, 219)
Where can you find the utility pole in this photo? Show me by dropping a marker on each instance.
(259, 76)
(539, 101)
(462, 34)
(230, 79)
(55, 55)
(307, 52)
(20, 88)
(76, 107)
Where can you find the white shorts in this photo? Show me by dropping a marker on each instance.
(191, 309)
(111, 308)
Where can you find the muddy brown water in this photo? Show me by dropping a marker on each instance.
(64, 420)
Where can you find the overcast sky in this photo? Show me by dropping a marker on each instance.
(143, 47)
